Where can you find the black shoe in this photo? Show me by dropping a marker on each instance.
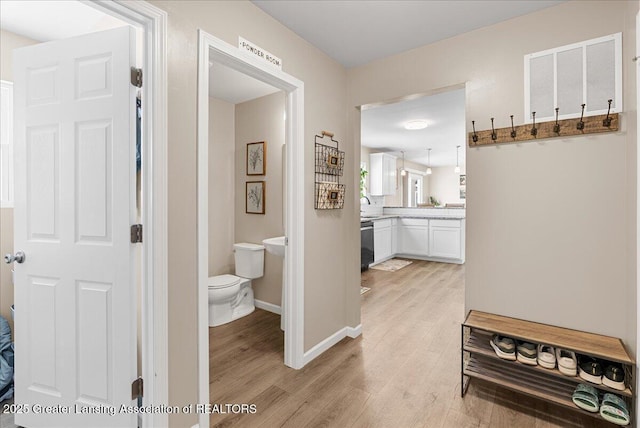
(614, 377)
(590, 369)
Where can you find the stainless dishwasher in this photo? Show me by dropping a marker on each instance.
(366, 245)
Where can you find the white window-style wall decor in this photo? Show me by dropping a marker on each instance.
(6, 144)
(589, 72)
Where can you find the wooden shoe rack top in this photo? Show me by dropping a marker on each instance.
(480, 361)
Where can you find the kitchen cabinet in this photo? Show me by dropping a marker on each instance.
(382, 240)
(439, 240)
(394, 236)
(445, 239)
(382, 174)
(413, 237)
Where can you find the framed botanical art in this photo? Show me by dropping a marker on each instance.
(255, 201)
(256, 158)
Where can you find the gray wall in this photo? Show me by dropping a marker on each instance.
(332, 296)
(551, 233)
(222, 189)
(262, 120)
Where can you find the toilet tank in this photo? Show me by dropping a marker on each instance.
(249, 260)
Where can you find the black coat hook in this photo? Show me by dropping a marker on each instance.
(534, 130)
(494, 136)
(556, 127)
(607, 121)
(474, 137)
(580, 125)
(513, 130)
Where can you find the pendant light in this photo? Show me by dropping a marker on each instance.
(428, 161)
(403, 171)
(457, 169)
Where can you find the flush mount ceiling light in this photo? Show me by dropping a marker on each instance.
(412, 125)
(457, 168)
(428, 161)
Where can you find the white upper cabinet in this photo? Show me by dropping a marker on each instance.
(382, 177)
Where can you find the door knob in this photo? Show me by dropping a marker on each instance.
(18, 257)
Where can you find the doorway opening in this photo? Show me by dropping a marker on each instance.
(25, 20)
(415, 186)
(226, 58)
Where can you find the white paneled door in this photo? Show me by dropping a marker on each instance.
(75, 294)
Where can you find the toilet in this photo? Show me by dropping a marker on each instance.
(231, 296)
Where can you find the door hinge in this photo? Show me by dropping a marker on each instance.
(136, 233)
(137, 388)
(136, 77)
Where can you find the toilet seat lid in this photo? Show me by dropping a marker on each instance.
(223, 281)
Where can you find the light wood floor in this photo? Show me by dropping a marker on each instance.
(404, 371)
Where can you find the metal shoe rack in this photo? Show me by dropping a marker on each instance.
(329, 193)
(481, 362)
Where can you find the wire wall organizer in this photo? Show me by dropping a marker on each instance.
(329, 168)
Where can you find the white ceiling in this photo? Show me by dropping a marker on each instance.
(355, 32)
(382, 128)
(234, 87)
(52, 20)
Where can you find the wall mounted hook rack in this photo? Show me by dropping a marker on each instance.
(556, 127)
(494, 136)
(607, 120)
(474, 137)
(534, 130)
(567, 128)
(580, 125)
(513, 130)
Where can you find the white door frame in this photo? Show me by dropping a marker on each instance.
(224, 53)
(155, 371)
(636, 64)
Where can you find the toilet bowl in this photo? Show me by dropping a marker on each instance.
(231, 296)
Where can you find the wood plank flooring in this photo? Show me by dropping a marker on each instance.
(404, 371)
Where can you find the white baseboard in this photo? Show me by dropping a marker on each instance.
(354, 332)
(270, 307)
(196, 426)
(336, 337)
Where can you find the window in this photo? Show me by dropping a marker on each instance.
(6, 144)
(588, 72)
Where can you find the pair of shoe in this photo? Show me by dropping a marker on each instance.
(612, 376)
(613, 408)
(549, 357)
(506, 347)
(531, 354)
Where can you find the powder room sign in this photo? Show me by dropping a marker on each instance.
(264, 55)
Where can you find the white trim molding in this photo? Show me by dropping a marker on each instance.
(354, 332)
(266, 306)
(330, 341)
(214, 49)
(155, 349)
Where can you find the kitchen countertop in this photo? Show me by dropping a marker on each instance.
(429, 217)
